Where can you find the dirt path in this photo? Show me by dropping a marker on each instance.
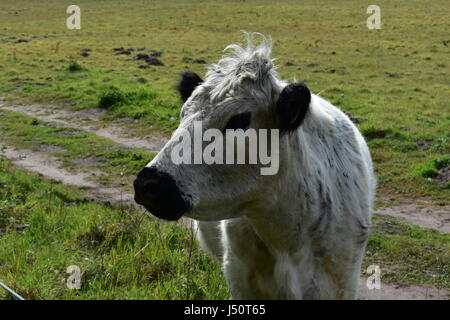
(437, 218)
(50, 167)
(401, 292)
(74, 119)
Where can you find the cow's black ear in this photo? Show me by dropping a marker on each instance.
(292, 106)
(188, 82)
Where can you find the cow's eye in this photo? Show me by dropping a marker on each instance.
(239, 121)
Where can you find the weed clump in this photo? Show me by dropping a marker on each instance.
(113, 96)
(371, 133)
(74, 67)
(435, 169)
(110, 97)
(442, 162)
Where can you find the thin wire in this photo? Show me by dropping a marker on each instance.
(16, 295)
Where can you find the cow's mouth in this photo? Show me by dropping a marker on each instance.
(166, 214)
(159, 194)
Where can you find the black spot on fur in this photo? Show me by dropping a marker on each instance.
(189, 81)
(292, 106)
(322, 224)
(317, 223)
(364, 232)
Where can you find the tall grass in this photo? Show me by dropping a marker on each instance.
(122, 253)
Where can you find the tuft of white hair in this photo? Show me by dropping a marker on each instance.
(251, 62)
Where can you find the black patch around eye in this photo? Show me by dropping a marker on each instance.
(239, 121)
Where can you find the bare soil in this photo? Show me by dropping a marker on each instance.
(443, 175)
(75, 118)
(389, 291)
(50, 167)
(437, 218)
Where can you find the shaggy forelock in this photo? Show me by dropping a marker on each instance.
(248, 71)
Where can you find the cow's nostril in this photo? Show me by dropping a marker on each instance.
(158, 192)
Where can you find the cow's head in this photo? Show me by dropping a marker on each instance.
(241, 91)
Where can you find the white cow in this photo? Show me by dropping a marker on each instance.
(298, 234)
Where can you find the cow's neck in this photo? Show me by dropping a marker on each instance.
(279, 219)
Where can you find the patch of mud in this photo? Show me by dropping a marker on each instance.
(15, 227)
(122, 51)
(381, 226)
(401, 292)
(353, 119)
(437, 218)
(45, 165)
(50, 114)
(114, 195)
(90, 162)
(50, 168)
(443, 176)
(70, 132)
(424, 143)
(189, 60)
(150, 59)
(48, 148)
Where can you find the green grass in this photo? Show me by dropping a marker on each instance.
(122, 253)
(431, 169)
(409, 254)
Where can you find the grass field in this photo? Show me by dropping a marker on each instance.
(122, 253)
(394, 82)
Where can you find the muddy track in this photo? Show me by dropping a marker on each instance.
(74, 119)
(433, 217)
(437, 218)
(50, 167)
(401, 292)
